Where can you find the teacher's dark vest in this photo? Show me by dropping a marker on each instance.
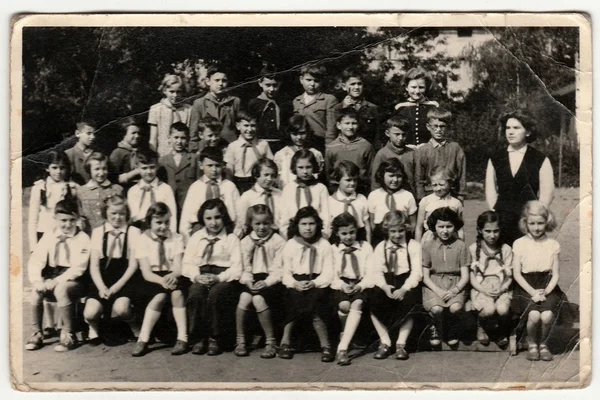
(524, 186)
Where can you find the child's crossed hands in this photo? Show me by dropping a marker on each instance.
(258, 286)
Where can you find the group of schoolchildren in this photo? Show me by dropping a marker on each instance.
(248, 211)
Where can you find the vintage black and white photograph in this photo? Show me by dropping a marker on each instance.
(384, 201)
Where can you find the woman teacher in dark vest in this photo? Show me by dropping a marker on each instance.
(517, 175)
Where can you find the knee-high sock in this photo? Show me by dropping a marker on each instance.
(382, 331)
(287, 333)
(67, 314)
(38, 316)
(240, 316)
(264, 317)
(321, 330)
(150, 319)
(405, 329)
(351, 324)
(181, 321)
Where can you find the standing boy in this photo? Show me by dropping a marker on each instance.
(396, 130)
(180, 168)
(368, 114)
(217, 104)
(245, 151)
(148, 191)
(315, 106)
(349, 146)
(86, 134)
(123, 159)
(440, 151)
(209, 129)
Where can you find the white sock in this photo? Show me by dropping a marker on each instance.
(382, 331)
(92, 332)
(181, 322)
(351, 324)
(150, 319)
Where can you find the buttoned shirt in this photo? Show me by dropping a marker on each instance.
(224, 110)
(377, 204)
(258, 195)
(254, 262)
(363, 254)
(226, 253)
(92, 197)
(319, 114)
(242, 151)
(445, 258)
(77, 156)
(320, 202)
(139, 201)
(358, 207)
(433, 202)
(180, 175)
(535, 255)
(448, 154)
(296, 260)
(163, 115)
(133, 236)
(382, 256)
(406, 157)
(148, 246)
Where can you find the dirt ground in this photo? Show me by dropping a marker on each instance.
(105, 364)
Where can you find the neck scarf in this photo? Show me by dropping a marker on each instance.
(145, 190)
(62, 240)
(162, 254)
(348, 207)
(259, 244)
(390, 202)
(116, 243)
(212, 189)
(245, 146)
(312, 254)
(208, 250)
(303, 187)
(349, 251)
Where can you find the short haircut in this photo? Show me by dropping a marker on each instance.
(443, 172)
(147, 156)
(394, 166)
(58, 158)
(180, 127)
(306, 212)
(537, 208)
(345, 167)
(397, 122)
(68, 207)
(245, 115)
(418, 73)
(393, 218)
(215, 69)
(444, 214)
(86, 122)
(125, 123)
(315, 70)
(525, 118)
(95, 156)
(168, 81)
(352, 72)
(212, 153)
(219, 205)
(115, 201)
(304, 154)
(341, 221)
(258, 209)
(269, 72)
(296, 125)
(210, 123)
(348, 112)
(263, 162)
(157, 210)
(439, 113)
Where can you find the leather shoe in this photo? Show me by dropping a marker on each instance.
(213, 348)
(383, 352)
(285, 352)
(327, 355)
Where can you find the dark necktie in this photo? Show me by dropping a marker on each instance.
(259, 244)
(145, 190)
(208, 250)
(348, 206)
(116, 243)
(303, 187)
(212, 190)
(390, 202)
(268, 193)
(391, 261)
(162, 256)
(312, 254)
(62, 240)
(349, 251)
(245, 148)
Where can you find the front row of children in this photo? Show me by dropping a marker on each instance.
(204, 280)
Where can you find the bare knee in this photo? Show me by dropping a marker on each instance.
(122, 308)
(455, 308)
(357, 305)
(487, 311)
(436, 311)
(547, 317)
(157, 302)
(533, 317)
(177, 299)
(93, 309)
(344, 307)
(502, 309)
(259, 303)
(245, 301)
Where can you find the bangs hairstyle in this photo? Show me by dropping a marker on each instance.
(245, 115)
(348, 112)
(393, 218)
(95, 156)
(58, 158)
(347, 168)
(215, 69)
(212, 153)
(341, 221)
(315, 70)
(264, 162)
(418, 73)
(210, 123)
(445, 214)
(306, 212)
(115, 201)
(269, 72)
(397, 122)
(147, 157)
(86, 122)
(296, 125)
(442, 172)
(259, 209)
(536, 208)
(352, 72)
(157, 210)
(440, 114)
(219, 205)
(168, 81)
(67, 207)
(525, 118)
(180, 127)
(304, 154)
(393, 166)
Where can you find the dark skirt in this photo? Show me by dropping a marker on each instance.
(132, 288)
(521, 301)
(339, 296)
(390, 311)
(272, 294)
(145, 291)
(243, 184)
(307, 303)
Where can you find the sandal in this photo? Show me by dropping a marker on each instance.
(545, 354)
(269, 352)
(533, 354)
(240, 350)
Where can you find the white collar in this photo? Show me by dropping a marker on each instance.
(108, 227)
(522, 150)
(342, 196)
(154, 183)
(205, 235)
(92, 184)
(206, 179)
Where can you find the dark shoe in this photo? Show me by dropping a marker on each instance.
(401, 353)
(269, 352)
(35, 342)
(199, 348)
(383, 352)
(342, 357)
(453, 342)
(97, 341)
(327, 355)
(240, 350)
(50, 333)
(213, 348)
(140, 349)
(68, 341)
(545, 354)
(180, 348)
(435, 336)
(285, 352)
(482, 337)
(533, 354)
(502, 343)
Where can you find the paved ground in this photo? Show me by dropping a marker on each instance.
(104, 363)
